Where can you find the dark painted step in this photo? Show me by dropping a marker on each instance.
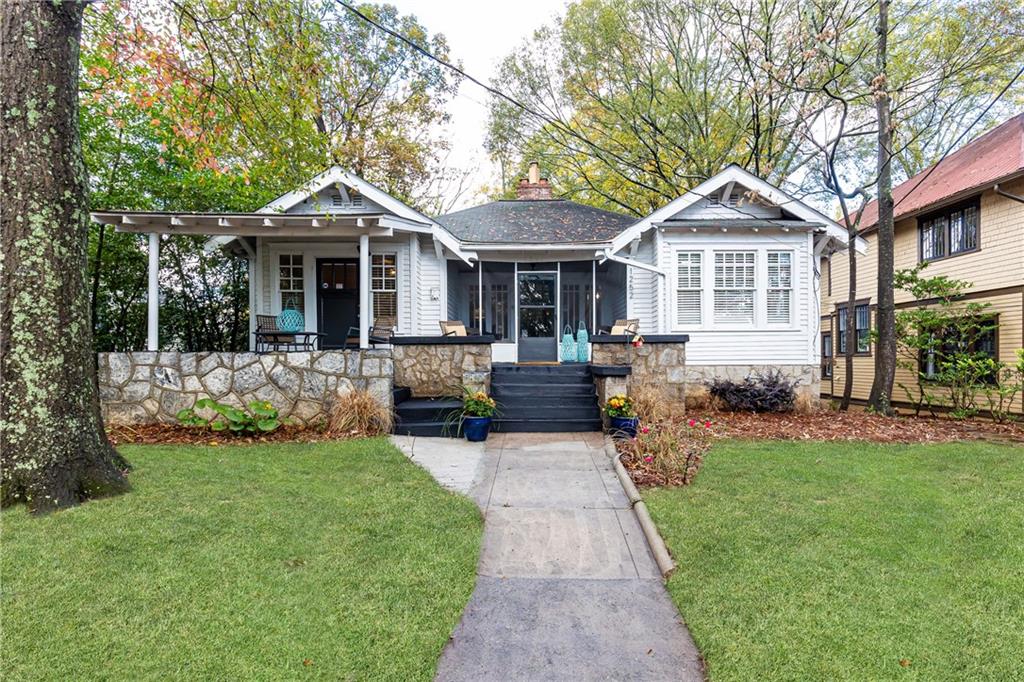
(546, 425)
(582, 410)
(500, 371)
(426, 409)
(541, 391)
(400, 394)
(425, 429)
(542, 380)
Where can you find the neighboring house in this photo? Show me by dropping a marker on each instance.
(965, 218)
(731, 263)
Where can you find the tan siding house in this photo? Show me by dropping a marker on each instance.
(980, 187)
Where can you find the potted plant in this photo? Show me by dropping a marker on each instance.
(622, 415)
(477, 412)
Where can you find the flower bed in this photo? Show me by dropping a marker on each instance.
(176, 434)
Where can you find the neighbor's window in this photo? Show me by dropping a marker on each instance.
(978, 340)
(826, 355)
(862, 327)
(780, 286)
(953, 231)
(735, 279)
(688, 288)
(290, 282)
(384, 285)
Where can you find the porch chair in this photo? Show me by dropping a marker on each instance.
(270, 338)
(621, 328)
(381, 332)
(452, 328)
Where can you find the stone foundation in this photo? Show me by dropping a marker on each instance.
(662, 364)
(436, 369)
(809, 377)
(148, 387)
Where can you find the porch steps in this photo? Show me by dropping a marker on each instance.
(545, 398)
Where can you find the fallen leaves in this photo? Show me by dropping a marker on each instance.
(176, 434)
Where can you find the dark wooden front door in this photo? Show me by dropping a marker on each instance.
(538, 341)
(337, 300)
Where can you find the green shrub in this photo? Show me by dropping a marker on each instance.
(261, 417)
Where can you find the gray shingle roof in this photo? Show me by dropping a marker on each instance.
(543, 221)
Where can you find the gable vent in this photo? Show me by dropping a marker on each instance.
(337, 200)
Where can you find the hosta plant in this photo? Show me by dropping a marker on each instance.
(260, 417)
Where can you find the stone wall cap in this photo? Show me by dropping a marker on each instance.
(611, 370)
(648, 338)
(441, 340)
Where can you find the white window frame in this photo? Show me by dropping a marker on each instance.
(374, 290)
(755, 289)
(768, 288)
(677, 288)
(277, 303)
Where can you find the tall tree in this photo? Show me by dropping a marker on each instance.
(54, 450)
(880, 398)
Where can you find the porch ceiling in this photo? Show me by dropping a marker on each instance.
(259, 224)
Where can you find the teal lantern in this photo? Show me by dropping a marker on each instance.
(568, 345)
(290, 320)
(582, 339)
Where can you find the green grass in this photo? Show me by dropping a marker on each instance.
(325, 561)
(823, 562)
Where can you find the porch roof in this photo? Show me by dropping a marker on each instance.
(260, 224)
(537, 221)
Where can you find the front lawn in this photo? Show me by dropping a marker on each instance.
(328, 560)
(802, 561)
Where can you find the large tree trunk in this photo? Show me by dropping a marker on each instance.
(885, 315)
(52, 444)
(851, 317)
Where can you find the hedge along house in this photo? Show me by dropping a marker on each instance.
(730, 266)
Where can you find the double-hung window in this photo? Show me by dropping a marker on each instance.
(952, 231)
(862, 327)
(780, 286)
(735, 287)
(290, 282)
(384, 285)
(826, 355)
(688, 288)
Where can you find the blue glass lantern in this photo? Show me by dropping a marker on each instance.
(290, 320)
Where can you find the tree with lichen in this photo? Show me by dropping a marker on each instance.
(54, 452)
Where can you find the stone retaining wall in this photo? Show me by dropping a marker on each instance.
(663, 364)
(432, 370)
(152, 387)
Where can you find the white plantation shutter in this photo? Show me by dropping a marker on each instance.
(735, 279)
(688, 288)
(780, 286)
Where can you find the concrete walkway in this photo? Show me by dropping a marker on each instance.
(567, 587)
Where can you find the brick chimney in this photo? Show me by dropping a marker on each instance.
(534, 187)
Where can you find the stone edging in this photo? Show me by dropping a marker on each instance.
(654, 540)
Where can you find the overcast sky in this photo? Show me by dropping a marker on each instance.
(480, 33)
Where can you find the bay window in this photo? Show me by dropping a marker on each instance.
(689, 288)
(735, 287)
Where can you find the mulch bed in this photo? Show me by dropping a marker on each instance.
(175, 434)
(828, 425)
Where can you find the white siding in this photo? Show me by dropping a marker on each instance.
(642, 293)
(761, 343)
(429, 289)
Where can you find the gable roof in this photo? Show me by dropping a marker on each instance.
(735, 174)
(537, 221)
(996, 155)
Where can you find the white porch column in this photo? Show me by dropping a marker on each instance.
(365, 313)
(153, 322)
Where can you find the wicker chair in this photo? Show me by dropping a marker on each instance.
(269, 337)
(381, 332)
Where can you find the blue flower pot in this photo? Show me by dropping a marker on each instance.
(476, 428)
(624, 426)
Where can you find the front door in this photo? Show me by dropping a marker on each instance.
(538, 341)
(337, 300)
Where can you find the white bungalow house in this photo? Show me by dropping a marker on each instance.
(732, 263)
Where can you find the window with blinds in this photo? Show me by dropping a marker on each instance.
(735, 286)
(290, 282)
(688, 288)
(780, 286)
(384, 285)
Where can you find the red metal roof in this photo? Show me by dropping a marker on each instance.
(997, 154)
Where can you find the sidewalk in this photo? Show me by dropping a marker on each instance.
(567, 588)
